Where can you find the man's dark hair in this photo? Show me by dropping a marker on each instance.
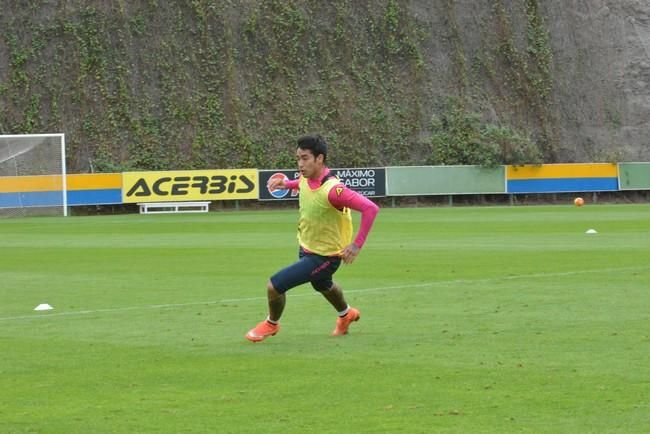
(314, 143)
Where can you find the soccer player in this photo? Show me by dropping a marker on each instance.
(324, 235)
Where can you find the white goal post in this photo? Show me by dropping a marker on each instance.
(33, 175)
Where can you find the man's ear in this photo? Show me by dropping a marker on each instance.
(320, 158)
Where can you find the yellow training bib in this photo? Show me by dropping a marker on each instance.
(322, 229)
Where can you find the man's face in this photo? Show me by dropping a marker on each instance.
(309, 166)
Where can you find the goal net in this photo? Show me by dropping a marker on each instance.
(32, 175)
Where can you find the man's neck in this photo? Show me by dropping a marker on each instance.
(319, 175)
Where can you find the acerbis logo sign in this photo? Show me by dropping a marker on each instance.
(189, 185)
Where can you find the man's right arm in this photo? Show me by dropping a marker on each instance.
(291, 184)
(283, 184)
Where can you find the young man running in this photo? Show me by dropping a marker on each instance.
(324, 235)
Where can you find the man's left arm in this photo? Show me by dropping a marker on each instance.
(342, 197)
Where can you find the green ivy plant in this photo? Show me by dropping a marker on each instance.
(205, 84)
(459, 137)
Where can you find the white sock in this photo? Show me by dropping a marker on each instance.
(344, 311)
(268, 318)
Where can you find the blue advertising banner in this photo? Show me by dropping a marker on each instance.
(370, 182)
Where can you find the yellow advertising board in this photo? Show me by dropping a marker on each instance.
(189, 185)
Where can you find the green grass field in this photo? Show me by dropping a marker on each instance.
(506, 319)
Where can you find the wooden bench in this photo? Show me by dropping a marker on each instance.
(173, 207)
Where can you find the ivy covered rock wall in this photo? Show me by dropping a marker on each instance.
(215, 84)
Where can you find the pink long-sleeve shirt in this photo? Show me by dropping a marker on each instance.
(345, 198)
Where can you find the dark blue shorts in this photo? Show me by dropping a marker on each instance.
(310, 268)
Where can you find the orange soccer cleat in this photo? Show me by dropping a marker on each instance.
(343, 322)
(262, 331)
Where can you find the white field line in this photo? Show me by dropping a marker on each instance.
(39, 315)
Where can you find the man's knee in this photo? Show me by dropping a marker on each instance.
(322, 285)
(272, 292)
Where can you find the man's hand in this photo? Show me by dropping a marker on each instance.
(350, 253)
(276, 184)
